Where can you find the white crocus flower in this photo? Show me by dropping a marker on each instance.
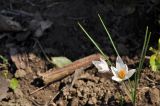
(121, 71)
(101, 65)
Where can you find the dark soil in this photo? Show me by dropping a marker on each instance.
(126, 21)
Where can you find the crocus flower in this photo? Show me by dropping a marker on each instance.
(101, 65)
(121, 71)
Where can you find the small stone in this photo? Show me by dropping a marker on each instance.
(79, 94)
(96, 79)
(85, 95)
(102, 79)
(83, 102)
(92, 101)
(90, 83)
(20, 73)
(93, 94)
(86, 90)
(96, 89)
(18, 92)
(66, 92)
(74, 102)
(61, 103)
(73, 91)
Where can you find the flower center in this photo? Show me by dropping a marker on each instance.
(122, 73)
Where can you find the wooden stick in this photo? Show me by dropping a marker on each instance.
(60, 73)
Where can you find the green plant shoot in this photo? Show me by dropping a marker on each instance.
(155, 58)
(4, 66)
(13, 83)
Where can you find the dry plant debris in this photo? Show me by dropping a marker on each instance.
(54, 75)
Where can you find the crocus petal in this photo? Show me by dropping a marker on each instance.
(102, 66)
(104, 62)
(114, 70)
(102, 71)
(119, 63)
(116, 79)
(97, 64)
(126, 68)
(130, 73)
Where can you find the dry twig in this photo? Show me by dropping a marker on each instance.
(57, 74)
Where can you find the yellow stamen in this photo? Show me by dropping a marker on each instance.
(122, 73)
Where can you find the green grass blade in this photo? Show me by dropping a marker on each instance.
(159, 44)
(143, 53)
(139, 67)
(91, 39)
(96, 45)
(108, 34)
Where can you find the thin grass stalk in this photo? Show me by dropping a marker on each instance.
(139, 67)
(109, 35)
(143, 53)
(147, 42)
(159, 44)
(93, 41)
(130, 84)
(148, 39)
(122, 101)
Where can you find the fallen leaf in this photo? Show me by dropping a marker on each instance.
(60, 61)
